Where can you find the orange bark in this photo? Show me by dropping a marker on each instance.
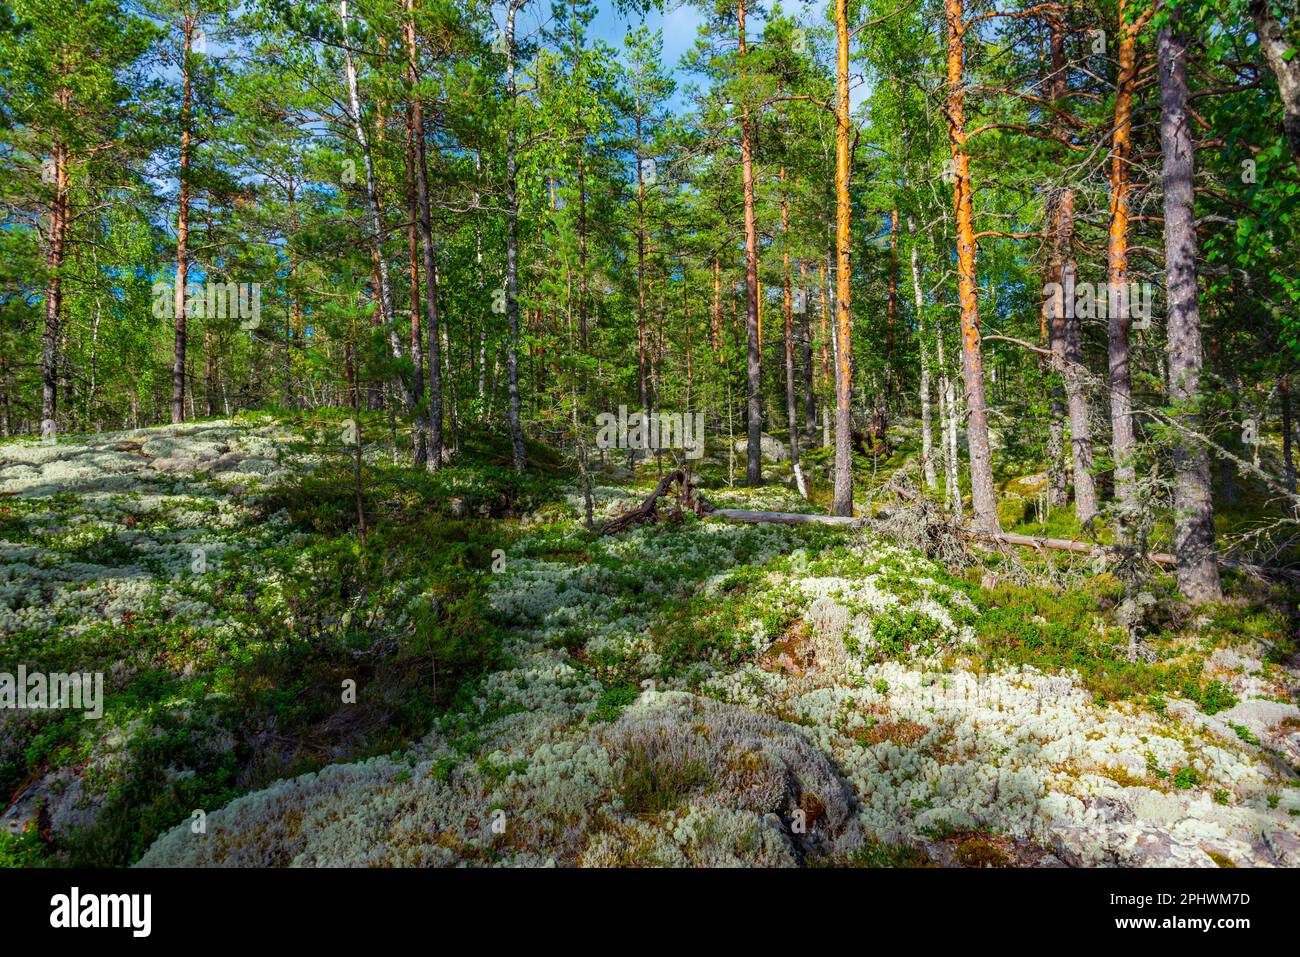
(983, 497)
(753, 320)
(842, 503)
(1121, 386)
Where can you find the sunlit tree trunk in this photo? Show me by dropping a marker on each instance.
(716, 328)
(1123, 440)
(842, 500)
(983, 496)
(642, 330)
(58, 231)
(809, 402)
(182, 222)
(754, 413)
(791, 389)
(891, 307)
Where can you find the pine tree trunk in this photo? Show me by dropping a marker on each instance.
(754, 375)
(54, 286)
(891, 310)
(791, 388)
(519, 455)
(642, 330)
(433, 451)
(983, 496)
(419, 449)
(842, 501)
(809, 401)
(1123, 438)
(182, 228)
(1198, 570)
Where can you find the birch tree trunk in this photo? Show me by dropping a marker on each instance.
(791, 406)
(372, 194)
(927, 440)
(1280, 54)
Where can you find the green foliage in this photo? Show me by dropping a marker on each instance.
(899, 634)
(652, 780)
(1187, 778)
(1059, 630)
(612, 702)
(21, 850)
(1244, 733)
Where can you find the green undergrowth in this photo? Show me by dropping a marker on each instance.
(200, 714)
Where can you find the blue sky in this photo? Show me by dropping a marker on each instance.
(680, 24)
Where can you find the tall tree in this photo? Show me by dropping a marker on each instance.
(1198, 569)
(518, 453)
(753, 360)
(1280, 55)
(842, 501)
(1123, 439)
(983, 496)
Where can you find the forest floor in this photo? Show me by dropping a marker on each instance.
(527, 692)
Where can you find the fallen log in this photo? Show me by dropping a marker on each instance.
(1000, 538)
(1056, 545)
(782, 518)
